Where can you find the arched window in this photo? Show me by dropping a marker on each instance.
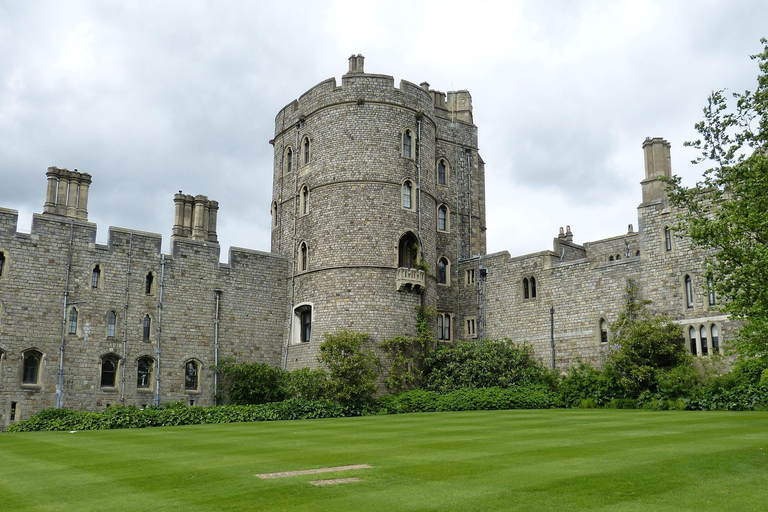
(303, 257)
(146, 328)
(407, 195)
(610, 258)
(109, 364)
(306, 150)
(302, 331)
(442, 218)
(712, 299)
(144, 368)
(526, 289)
(111, 322)
(441, 172)
(688, 292)
(408, 251)
(692, 337)
(533, 287)
(618, 256)
(442, 270)
(715, 338)
(273, 212)
(31, 362)
(444, 326)
(603, 331)
(2, 263)
(667, 239)
(72, 328)
(304, 200)
(407, 143)
(148, 281)
(191, 376)
(289, 161)
(703, 338)
(95, 276)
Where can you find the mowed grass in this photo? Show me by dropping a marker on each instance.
(493, 460)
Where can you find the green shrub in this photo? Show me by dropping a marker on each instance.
(750, 370)
(482, 364)
(352, 368)
(251, 383)
(584, 381)
(471, 399)
(307, 384)
(622, 403)
(588, 403)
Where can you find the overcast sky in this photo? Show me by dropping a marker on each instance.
(154, 97)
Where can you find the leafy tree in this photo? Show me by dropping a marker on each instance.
(646, 346)
(352, 368)
(726, 212)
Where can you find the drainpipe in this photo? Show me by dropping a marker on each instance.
(159, 329)
(125, 318)
(552, 333)
(216, 349)
(293, 269)
(60, 380)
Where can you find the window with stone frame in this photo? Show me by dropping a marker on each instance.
(2, 263)
(408, 251)
(667, 239)
(306, 147)
(715, 332)
(442, 172)
(603, 331)
(302, 324)
(144, 368)
(304, 200)
(95, 276)
(72, 325)
(407, 195)
(31, 369)
(191, 376)
(442, 218)
(470, 327)
(288, 163)
(109, 367)
(688, 292)
(303, 256)
(470, 276)
(703, 340)
(111, 324)
(407, 144)
(443, 271)
(692, 339)
(711, 298)
(146, 328)
(149, 281)
(444, 327)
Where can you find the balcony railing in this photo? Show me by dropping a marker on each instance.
(410, 277)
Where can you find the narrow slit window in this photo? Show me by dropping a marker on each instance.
(603, 331)
(407, 195)
(441, 172)
(688, 292)
(72, 329)
(111, 322)
(148, 283)
(703, 338)
(306, 151)
(442, 218)
(191, 372)
(442, 271)
(95, 276)
(692, 336)
(2, 263)
(526, 290)
(533, 287)
(407, 142)
(712, 299)
(289, 161)
(146, 327)
(667, 239)
(715, 338)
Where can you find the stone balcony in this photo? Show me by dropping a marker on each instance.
(410, 278)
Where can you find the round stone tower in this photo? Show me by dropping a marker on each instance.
(375, 193)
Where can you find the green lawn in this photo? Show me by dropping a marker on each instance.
(499, 460)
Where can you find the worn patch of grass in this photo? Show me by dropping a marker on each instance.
(491, 460)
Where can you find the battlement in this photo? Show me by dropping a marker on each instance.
(359, 87)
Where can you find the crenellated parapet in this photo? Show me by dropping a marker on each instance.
(67, 193)
(195, 217)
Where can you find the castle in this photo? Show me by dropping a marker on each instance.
(378, 208)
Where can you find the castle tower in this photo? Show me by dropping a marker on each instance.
(657, 165)
(378, 193)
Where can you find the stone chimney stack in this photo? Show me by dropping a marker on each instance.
(658, 164)
(357, 64)
(195, 217)
(67, 193)
(568, 234)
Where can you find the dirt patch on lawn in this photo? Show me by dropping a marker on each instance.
(284, 474)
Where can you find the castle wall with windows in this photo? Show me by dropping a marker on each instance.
(378, 208)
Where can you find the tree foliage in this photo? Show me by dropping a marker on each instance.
(646, 346)
(726, 212)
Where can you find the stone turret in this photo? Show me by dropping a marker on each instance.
(67, 193)
(657, 165)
